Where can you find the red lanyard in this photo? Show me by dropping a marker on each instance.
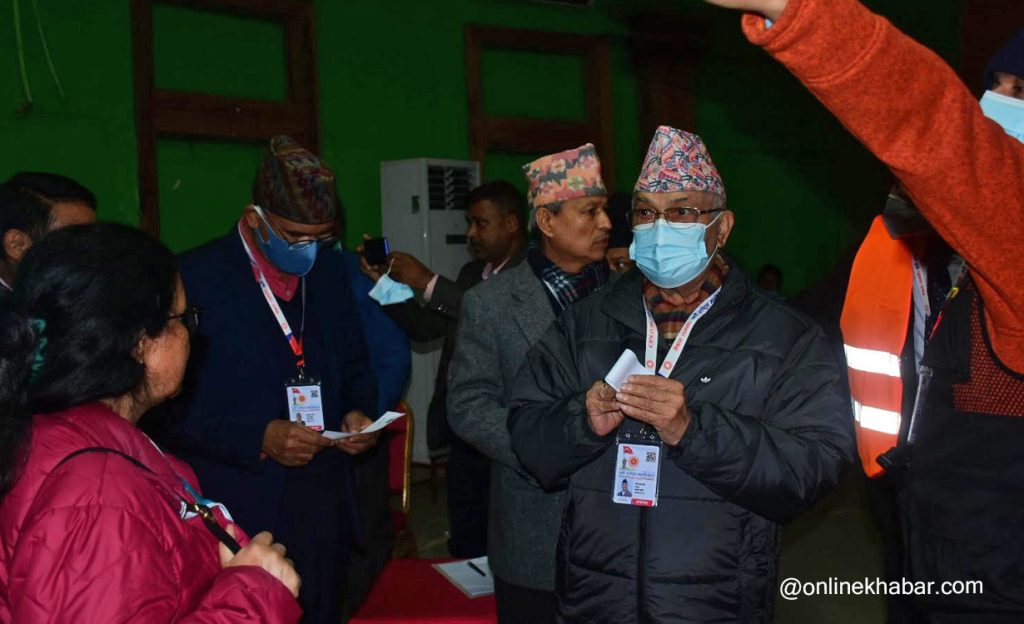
(275, 308)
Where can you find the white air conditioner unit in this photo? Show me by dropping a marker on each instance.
(423, 213)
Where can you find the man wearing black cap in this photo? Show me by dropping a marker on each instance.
(1005, 72)
(279, 320)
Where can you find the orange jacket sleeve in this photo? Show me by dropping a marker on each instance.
(912, 111)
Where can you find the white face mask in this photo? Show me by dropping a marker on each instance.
(1006, 111)
(389, 292)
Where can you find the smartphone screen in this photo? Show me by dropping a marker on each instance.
(376, 251)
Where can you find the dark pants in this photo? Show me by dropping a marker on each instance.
(522, 605)
(372, 551)
(316, 528)
(882, 495)
(469, 484)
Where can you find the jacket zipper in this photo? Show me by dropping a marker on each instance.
(641, 594)
(641, 597)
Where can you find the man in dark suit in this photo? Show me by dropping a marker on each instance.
(494, 219)
(280, 320)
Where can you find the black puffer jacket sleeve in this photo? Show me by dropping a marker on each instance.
(550, 431)
(782, 461)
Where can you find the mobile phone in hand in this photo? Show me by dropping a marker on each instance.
(376, 251)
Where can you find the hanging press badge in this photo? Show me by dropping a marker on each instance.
(305, 401)
(637, 470)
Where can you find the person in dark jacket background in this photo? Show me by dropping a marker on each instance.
(495, 231)
(746, 417)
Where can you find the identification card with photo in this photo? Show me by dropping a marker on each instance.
(305, 405)
(637, 470)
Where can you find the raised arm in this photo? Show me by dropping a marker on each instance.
(912, 111)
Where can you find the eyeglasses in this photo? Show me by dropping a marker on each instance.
(641, 216)
(189, 318)
(327, 241)
(321, 243)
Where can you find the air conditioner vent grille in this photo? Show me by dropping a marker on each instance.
(449, 187)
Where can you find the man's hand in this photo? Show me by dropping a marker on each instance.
(772, 9)
(604, 412)
(356, 421)
(404, 268)
(372, 271)
(291, 444)
(410, 271)
(657, 401)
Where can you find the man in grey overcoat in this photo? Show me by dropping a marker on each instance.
(500, 320)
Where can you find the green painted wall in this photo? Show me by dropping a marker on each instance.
(396, 84)
(392, 86)
(803, 190)
(90, 135)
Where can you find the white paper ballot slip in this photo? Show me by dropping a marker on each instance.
(380, 423)
(472, 576)
(626, 365)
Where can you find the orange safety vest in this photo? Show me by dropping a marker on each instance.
(876, 316)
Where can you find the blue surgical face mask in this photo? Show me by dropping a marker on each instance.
(389, 292)
(1006, 111)
(292, 258)
(670, 254)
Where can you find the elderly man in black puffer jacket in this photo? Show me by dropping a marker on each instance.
(745, 423)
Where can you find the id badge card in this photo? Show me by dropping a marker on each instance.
(637, 472)
(305, 402)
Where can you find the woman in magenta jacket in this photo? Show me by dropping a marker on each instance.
(96, 523)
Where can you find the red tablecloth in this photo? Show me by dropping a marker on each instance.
(410, 591)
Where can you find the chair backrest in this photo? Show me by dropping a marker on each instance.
(399, 440)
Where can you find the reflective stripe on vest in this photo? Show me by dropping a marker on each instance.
(876, 315)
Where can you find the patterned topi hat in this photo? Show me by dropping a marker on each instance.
(294, 183)
(565, 175)
(678, 161)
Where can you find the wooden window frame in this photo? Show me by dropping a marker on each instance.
(192, 115)
(531, 135)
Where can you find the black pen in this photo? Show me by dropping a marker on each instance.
(476, 569)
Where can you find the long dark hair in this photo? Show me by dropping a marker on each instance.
(83, 298)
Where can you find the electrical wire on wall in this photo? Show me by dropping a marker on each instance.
(19, 39)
